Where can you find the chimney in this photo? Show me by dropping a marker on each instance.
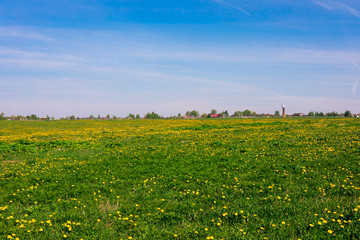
(283, 110)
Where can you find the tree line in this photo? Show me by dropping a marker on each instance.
(188, 114)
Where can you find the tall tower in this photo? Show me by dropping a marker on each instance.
(283, 110)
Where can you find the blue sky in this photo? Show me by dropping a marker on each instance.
(133, 56)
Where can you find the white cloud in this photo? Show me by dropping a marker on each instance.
(334, 5)
(19, 32)
(324, 104)
(15, 58)
(353, 90)
(229, 4)
(119, 75)
(262, 55)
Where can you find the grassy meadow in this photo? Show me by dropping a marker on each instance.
(293, 178)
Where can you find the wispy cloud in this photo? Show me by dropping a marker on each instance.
(325, 104)
(13, 58)
(259, 55)
(18, 32)
(353, 90)
(229, 4)
(334, 5)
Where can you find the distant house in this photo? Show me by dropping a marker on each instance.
(216, 115)
(298, 115)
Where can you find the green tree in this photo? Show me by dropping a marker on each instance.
(319, 114)
(19, 117)
(225, 113)
(277, 113)
(2, 116)
(91, 116)
(152, 116)
(332, 114)
(194, 113)
(204, 115)
(347, 113)
(213, 111)
(247, 112)
(238, 113)
(311, 114)
(33, 117)
(179, 115)
(137, 116)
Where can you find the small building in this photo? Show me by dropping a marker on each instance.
(298, 115)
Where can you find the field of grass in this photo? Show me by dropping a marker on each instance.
(180, 179)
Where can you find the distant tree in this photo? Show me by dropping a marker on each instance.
(188, 113)
(19, 117)
(179, 115)
(33, 117)
(2, 116)
(91, 116)
(194, 113)
(277, 113)
(131, 116)
(225, 113)
(152, 116)
(52, 118)
(47, 118)
(347, 113)
(108, 116)
(99, 117)
(247, 112)
(332, 114)
(253, 113)
(114, 117)
(72, 117)
(311, 114)
(319, 114)
(204, 115)
(213, 111)
(137, 116)
(238, 113)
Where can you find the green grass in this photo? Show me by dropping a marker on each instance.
(180, 179)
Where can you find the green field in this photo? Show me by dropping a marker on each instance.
(180, 179)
